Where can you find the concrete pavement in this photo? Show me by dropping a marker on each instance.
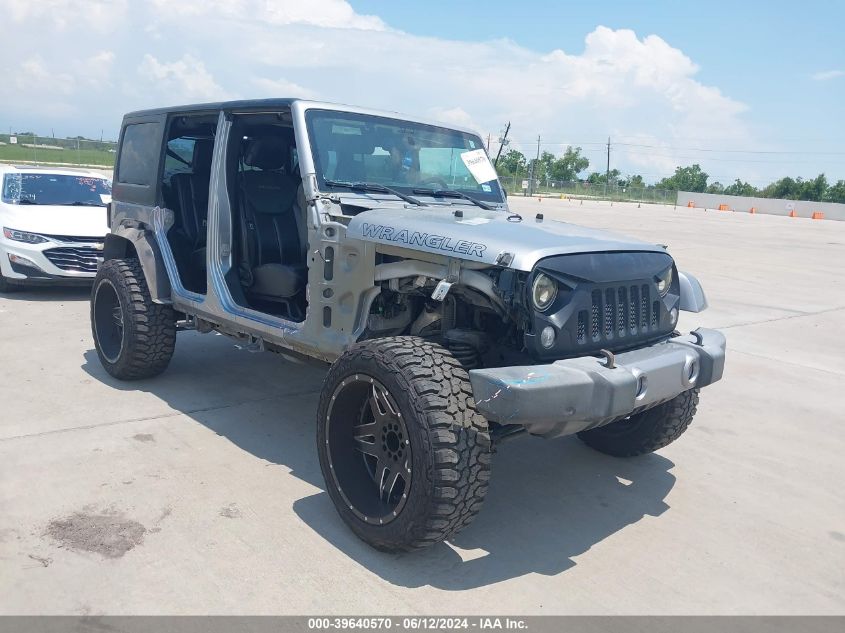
(199, 491)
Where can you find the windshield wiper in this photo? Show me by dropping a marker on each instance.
(373, 186)
(80, 203)
(26, 201)
(451, 193)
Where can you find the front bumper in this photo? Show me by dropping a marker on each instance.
(572, 395)
(49, 262)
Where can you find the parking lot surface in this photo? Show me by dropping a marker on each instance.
(200, 492)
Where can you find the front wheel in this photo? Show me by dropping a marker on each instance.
(647, 431)
(134, 337)
(405, 455)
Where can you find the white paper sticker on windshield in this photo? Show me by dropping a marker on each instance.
(479, 165)
(105, 198)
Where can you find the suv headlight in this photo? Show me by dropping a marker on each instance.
(664, 281)
(543, 292)
(23, 236)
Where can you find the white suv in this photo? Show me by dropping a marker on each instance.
(53, 222)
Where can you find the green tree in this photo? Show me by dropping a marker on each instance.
(716, 187)
(740, 188)
(599, 179)
(813, 189)
(783, 188)
(636, 181)
(512, 162)
(568, 166)
(690, 178)
(835, 193)
(544, 167)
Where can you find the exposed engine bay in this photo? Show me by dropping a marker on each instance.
(568, 306)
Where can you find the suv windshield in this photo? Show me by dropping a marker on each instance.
(56, 189)
(409, 157)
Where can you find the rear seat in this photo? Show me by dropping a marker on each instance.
(191, 197)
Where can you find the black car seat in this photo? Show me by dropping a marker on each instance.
(273, 248)
(190, 191)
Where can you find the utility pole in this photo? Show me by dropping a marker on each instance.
(502, 142)
(534, 169)
(607, 173)
(488, 143)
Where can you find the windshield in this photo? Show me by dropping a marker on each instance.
(42, 189)
(409, 157)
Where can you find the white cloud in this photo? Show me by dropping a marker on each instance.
(325, 13)
(164, 52)
(185, 78)
(282, 88)
(96, 15)
(454, 116)
(826, 75)
(95, 71)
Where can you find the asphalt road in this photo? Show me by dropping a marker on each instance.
(200, 492)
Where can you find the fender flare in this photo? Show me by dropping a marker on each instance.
(693, 298)
(121, 244)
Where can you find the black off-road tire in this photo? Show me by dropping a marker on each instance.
(147, 338)
(645, 432)
(449, 440)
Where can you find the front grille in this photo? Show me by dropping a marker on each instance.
(75, 239)
(81, 259)
(619, 312)
(608, 301)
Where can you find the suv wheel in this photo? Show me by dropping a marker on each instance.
(134, 337)
(405, 455)
(647, 431)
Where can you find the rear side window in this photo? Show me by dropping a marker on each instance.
(139, 153)
(179, 157)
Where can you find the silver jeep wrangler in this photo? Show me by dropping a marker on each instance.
(383, 246)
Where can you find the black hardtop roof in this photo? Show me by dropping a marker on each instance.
(212, 107)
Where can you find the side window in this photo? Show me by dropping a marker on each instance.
(139, 152)
(179, 157)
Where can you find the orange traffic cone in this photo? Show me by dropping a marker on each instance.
(818, 215)
(753, 210)
(690, 204)
(723, 207)
(792, 214)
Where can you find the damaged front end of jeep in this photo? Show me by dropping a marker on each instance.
(580, 339)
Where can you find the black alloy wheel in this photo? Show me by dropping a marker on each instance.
(372, 457)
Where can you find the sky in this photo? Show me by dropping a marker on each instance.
(754, 90)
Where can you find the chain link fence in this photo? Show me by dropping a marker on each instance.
(520, 185)
(36, 150)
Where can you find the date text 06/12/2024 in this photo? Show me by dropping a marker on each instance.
(417, 623)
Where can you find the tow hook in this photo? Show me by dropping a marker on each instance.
(609, 357)
(699, 337)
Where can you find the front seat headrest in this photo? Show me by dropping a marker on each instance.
(269, 153)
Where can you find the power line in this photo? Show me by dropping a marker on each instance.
(733, 151)
(688, 149)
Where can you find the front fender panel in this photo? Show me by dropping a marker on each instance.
(693, 298)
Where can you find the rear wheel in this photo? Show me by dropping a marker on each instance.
(645, 432)
(405, 455)
(134, 337)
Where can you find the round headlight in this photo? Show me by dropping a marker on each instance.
(664, 281)
(543, 292)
